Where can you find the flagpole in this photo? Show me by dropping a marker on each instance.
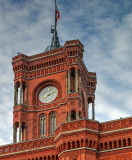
(55, 28)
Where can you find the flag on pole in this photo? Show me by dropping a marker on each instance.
(57, 14)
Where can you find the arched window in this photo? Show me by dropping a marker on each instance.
(106, 146)
(72, 80)
(115, 144)
(69, 145)
(90, 108)
(73, 144)
(73, 115)
(129, 142)
(119, 143)
(52, 122)
(110, 145)
(101, 146)
(124, 142)
(42, 125)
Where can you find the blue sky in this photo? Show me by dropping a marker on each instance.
(103, 26)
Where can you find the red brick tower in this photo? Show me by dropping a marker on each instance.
(51, 88)
(53, 113)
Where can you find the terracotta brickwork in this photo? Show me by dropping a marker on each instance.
(62, 128)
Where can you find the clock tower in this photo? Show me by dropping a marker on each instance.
(51, 88)
(54, 111)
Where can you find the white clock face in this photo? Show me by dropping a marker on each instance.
(48, 94)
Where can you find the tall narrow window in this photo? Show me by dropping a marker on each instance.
(52, 122)
(43, 125)
(73, 115)
(72, 78)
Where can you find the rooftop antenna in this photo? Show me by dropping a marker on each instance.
(55, 39)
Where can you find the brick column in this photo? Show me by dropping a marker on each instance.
(69, 82)
(26, 96)
(19, 132)
(88, 111)
(14, 95)
(77, 115)
(14, 134)
(76, 80)
(93, 112)
(25, 133)
(20, 93)
(69, 116)
(80, 85)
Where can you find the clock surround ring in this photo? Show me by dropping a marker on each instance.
(41, 86)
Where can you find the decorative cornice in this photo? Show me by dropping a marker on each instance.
(118, 130)
(76, 150)
(27, 150)
(79, 130)
(115, 149)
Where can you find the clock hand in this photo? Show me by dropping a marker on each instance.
(49, 94)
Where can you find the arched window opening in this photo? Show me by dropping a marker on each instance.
(94, 144)
(73, 115)
(90, 111)
(101, 146)
(110, 145)
(115, 144)
(57, 157)
(64, 146)
(129, 142)
(17, 132)
(73, 53)
(23, 98)
(44, 158)
(20, 94)
(23, 132)
(90, 144)
(90, 108)
(78, 144)
(73, 144)
(124, 142)
(106, 146)
(86, 143)
(72, 78)
(52, 122)
(53, 157)
(43, 125)
(119, 143)
(69, 145)
(48, 157)
(82, 143)
(40, 158)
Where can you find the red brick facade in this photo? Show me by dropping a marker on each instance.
(64, 128)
